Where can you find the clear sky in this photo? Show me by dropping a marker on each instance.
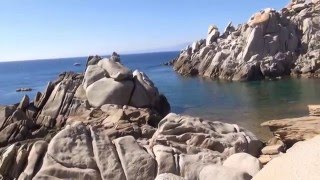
(36, 29)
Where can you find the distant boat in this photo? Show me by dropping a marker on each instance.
(77, 64)
(23, 89)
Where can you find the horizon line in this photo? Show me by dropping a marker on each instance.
(126, 53)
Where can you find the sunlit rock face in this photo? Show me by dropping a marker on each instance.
(270, 45)
(116, 142)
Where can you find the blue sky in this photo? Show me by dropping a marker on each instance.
(36, 29)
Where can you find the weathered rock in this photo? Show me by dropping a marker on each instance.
(243, 162)
(191, 164)
(34, 160)
(5, 112)
(115, 70)
(195, 46)
(52, 107)
(291, 31)
(39, 103)
(162, 105)
(150, 89)
(266, 158)
(106, 156)
(93, 73)
(24, 103)
(314, 110)
(299, 162)
(165, 159)
(168, 176)
(193, 135)
(115, 57)
(18, 115)
(220, 172)
(70, 155)
(6, 133)
(136, 163)
(31, 111)
(109, 91)
(248, 72)
(7, 159)
(273, 149)
(140, 97)
(93, 60)
(213, 35)
(20, 161)
(293, 130)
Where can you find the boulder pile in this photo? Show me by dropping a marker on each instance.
(105, 81)
(270, 45)
(118, 143)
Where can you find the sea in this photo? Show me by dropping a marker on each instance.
(247, 104)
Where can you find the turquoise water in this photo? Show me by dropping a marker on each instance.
(245, 103)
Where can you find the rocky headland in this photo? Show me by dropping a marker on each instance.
(270, 45)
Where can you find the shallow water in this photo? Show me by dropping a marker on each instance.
(245, 103)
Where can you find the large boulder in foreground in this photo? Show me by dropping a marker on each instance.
(114, 143)
(299, 162)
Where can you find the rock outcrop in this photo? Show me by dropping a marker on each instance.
(293, 130)
(300, 162)
(270, 45)
(123, 148)
(111, 123)
(289, 131)
(105, 81)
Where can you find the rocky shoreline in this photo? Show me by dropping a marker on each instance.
(270, 45)
(112, 123)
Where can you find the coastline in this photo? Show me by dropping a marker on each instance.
(96, 115)
(105, 118)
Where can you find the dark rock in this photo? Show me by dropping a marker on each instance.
(41, 100)
(6, 133)
(115, 57)
(93, 60)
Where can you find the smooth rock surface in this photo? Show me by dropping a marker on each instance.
(115, 69)
(109, 91)
(168, 176)
(136, 162)
(243, 162)
(93, 73)
(300, 162)
(220, 172)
